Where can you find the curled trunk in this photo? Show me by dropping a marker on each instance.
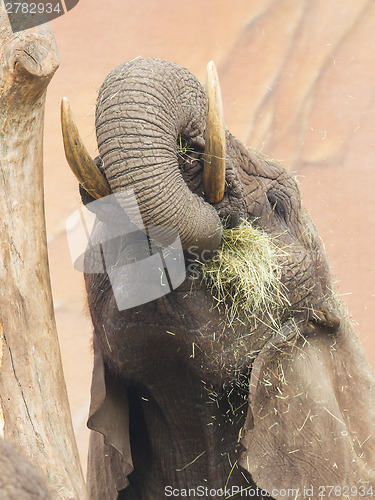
(141, 112)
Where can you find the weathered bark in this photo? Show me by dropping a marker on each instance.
(1, 364)
(33, 395)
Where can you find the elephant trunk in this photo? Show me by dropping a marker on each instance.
(143, 106)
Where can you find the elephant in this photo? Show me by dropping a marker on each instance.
(18, 478)
(186, 402)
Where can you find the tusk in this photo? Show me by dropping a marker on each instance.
(214, 157)
(79, 160)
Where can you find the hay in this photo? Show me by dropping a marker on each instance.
(244, 276)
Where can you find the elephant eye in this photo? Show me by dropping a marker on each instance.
(278, 204)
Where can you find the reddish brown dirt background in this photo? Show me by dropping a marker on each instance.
(298, 84)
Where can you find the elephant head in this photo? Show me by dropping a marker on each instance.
(280, 402)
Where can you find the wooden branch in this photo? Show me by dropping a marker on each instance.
(33, 395)
(1, 364)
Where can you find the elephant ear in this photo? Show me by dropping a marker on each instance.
(109, 460)
(311, 419)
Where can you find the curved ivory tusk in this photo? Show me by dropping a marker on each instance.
(214, 154)
(79, 160)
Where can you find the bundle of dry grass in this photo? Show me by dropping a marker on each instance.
(244, 275)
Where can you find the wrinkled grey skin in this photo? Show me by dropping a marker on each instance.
(18, 478)
(184, 371)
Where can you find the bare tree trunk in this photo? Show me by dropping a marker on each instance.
(33, 394)
(1, 364)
